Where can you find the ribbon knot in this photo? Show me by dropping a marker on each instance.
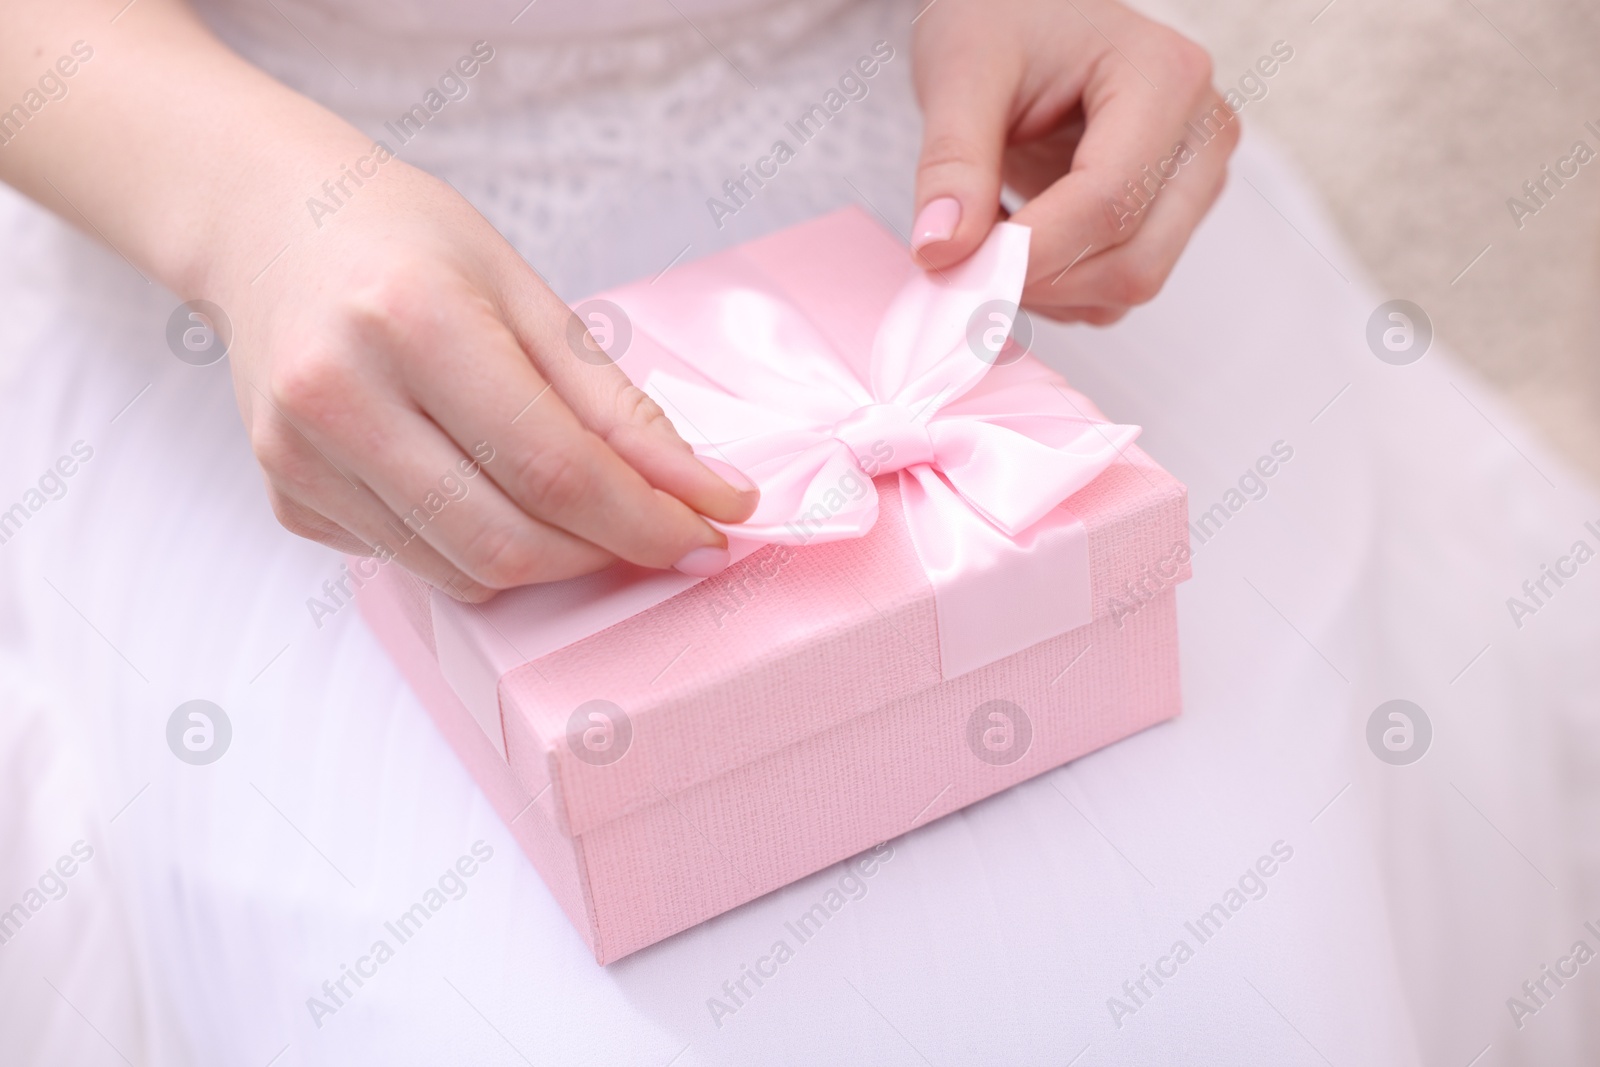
(885, 438)
(985, 453)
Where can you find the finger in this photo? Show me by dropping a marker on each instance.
(477, 384)
(1033, 165)
(1131, 127)
(621, 414)
(438, 513)
(1134, 272)
(445, 498)
(1093, 316)
(305, 490)
(967, 88)
(312, 525)
(419, 559)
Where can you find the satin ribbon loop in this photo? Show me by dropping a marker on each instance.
(885, 438)
(986, 454)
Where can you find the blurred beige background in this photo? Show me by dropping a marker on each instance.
(1417, 121)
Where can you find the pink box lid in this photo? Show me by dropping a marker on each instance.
(789, 643)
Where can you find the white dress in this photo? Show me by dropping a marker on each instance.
(219, 899)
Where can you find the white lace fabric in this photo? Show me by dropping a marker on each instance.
(581, 137)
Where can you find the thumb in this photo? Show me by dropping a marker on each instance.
(965, 119)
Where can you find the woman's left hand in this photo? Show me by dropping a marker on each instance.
(1105, 120)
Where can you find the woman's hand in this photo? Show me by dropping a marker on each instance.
(392, 351)
(410, 386)
(1105, 120)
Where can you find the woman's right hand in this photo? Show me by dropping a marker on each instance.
(406, 379)
(403, 344)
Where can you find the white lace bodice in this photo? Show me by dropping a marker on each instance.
(598, 131)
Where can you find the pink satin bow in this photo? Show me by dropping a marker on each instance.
(987, 450)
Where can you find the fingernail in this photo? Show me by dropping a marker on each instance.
(730, 474)
(936, 222)
(703, 562)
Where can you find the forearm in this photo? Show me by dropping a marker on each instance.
(161, 141)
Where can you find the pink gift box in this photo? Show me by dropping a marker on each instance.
(754, 727)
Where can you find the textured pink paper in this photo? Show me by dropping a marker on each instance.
(742, 778)
(786, 716)
(804, 363)
(631, 882)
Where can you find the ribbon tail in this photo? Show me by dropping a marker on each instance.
(989, 599)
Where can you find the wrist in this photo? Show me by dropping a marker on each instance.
(174, 150)
(268, 190)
